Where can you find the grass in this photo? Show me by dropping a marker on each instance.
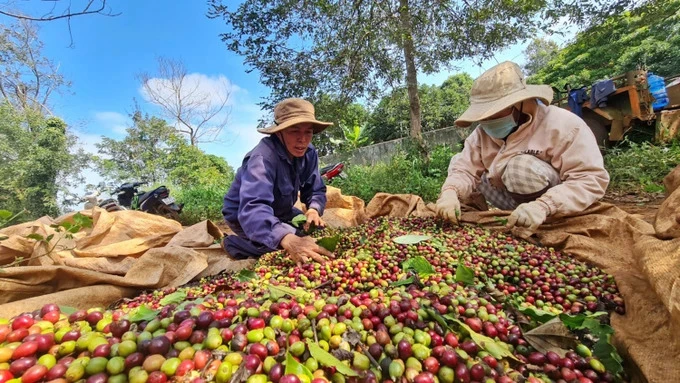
(640, 167)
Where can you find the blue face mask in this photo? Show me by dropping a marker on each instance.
(500, 127)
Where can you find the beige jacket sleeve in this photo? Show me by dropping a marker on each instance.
(584, 178)
(466, 168)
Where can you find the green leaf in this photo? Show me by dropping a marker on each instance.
(186, 303)
(502, 221)
(296, 368)
(3, 237)
(329, 243)
(438, 318)
(410, 239)
(245, 275)
(82, 220)
(403, 282)
(299, 219)
(174, 298)
(5, 214)
(497, 349)
(143, 313)
(278, 292)
(67, 310)
(418, 264)
(465, 274)
(538, 315)
(49, 237)
(607, 354)
(329, 360)
(575, 322)
(35, 236)
(509, 247)
(439, 245)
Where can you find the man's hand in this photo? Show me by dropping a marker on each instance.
(531, 215)
(448, 206)
(302, 249)
(313, 217)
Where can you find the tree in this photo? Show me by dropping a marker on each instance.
(341, 113)
(441, 106)
(153, 151)
(356, 48)
(140, 155)
(647, 37)
(538, 53)
(27, 78)
(34, 160)
(200, 111)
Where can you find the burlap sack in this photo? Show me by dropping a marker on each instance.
(672, 181)
(667, 221)
(341, 210)
(154, 253)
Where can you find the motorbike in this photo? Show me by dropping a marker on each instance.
(157, 201)
(331, 171)
(93, 199)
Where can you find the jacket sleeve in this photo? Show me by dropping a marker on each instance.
(581, 168)
(465, 168)
(313, 190)
(255, 213)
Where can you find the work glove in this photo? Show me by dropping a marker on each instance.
(531, 215)
(448, 206)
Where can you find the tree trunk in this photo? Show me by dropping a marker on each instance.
(411, 73)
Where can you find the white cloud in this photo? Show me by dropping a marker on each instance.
(112, 122)
(196, 88)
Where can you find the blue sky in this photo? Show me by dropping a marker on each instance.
(108, 52)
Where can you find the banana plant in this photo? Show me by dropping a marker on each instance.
(353, 137)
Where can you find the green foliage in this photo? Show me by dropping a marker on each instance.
(201, 202)
(341, 113)
(142, 154)
(152, 150)
(358, 49)
(34, 157)
(538, 53)
(404, 173)
(441, 105)
(646, 37)
(641, 167)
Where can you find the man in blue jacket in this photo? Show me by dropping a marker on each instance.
(259, 206)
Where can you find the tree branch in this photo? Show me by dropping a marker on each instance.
(66, 15)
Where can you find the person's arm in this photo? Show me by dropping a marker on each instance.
(255, 214)
(466, 168)
(581, 168)
(313, 189)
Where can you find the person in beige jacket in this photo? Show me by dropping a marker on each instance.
(525, 155)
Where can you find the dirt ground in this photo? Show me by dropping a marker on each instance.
(643, 204)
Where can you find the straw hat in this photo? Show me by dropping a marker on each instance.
(292, 111)
(498, 88)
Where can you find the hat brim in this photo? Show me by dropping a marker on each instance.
(480, 111)
(318, 126)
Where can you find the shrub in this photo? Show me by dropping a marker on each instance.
(637, 167)
(201, 202)
(405, 173)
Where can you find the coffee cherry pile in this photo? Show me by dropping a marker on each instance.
(343, 321)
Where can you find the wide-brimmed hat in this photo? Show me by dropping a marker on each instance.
(293, 111)
(498, 88)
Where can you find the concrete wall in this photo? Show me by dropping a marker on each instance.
(383, 152)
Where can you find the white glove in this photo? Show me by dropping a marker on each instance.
(448, 205)
(531, 215)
